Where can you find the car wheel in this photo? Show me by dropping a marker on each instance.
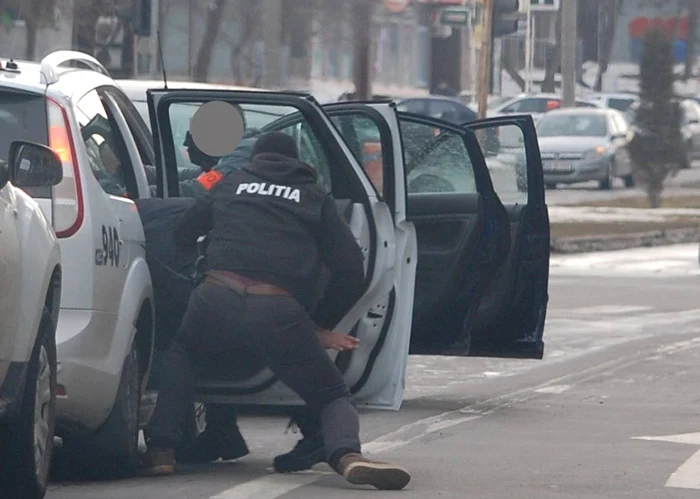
(113, 449)
(607, 183)
(26, 444)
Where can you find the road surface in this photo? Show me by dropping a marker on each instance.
(611, 412)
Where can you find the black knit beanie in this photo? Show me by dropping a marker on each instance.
(276, 142)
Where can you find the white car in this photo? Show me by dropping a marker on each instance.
(30, 293)
(455, 264)
(618, 101)
(536, 105)
(105, 328)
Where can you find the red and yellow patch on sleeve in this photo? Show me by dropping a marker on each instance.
(209, 179)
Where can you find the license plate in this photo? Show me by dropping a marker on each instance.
(558, 167)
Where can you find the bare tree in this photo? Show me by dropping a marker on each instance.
(609, 13)
(36, 14)
(692, 38)
(214, 18)
(554, 63)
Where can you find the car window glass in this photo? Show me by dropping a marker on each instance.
(23, 117)
(415, 106)
(363, 137)
(444, 110)
(137, 127)
(527, 106)
(106, 157)
(572, 125)
(437, 161)
(585, 104)
(619, 103)
(255, 118)
(503, 147)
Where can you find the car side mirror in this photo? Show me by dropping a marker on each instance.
(4, 174)
(34, 165)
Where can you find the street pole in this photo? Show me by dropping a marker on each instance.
(568, 52)
(528, 50)
(485, 59)
(362, 26)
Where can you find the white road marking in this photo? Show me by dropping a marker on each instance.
(687, 476)
(610, 309)
(270, 486)
(554, 389)
(274, 486)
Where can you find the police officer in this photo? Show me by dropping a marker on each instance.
(272, 228)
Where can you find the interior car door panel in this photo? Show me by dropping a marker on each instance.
(511, 314)
(461, 228)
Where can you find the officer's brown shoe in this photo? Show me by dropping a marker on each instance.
(359, 470)
(158, 462)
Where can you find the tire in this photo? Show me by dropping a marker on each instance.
(26, 444)
(113, 449)
(607, 183)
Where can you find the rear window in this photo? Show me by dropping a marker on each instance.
(23, 117)
(620, 104)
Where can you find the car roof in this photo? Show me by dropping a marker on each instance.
(57, 80)
(580, 110)
(136, 89)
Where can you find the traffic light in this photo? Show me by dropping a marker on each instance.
(505, 20)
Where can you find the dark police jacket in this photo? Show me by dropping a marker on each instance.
(272, 222)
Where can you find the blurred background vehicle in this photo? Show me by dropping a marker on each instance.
(619, 101)
(580, 145)
(690, 128)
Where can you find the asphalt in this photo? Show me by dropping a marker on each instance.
(621, 363)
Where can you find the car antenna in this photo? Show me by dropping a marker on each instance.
(162, 62)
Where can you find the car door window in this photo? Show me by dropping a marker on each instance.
(437, 161)
(363, 136)
(257, 118)
(137, 126)
(507, 162)
(103, 143)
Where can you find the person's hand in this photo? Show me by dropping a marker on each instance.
(341, 342)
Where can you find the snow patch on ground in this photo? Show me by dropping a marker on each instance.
(578, 214)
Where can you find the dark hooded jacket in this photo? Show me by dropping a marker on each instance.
(272, 222)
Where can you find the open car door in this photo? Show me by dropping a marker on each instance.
(462, 231)
(511, 314)
(375, 370)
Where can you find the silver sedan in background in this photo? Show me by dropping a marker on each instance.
(581, 145)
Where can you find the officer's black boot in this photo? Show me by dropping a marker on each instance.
(308, 451)
(220, 440)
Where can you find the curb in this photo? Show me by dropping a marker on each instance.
(567, 245)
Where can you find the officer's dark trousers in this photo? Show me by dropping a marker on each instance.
(275, 329)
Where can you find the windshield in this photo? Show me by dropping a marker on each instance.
(572, 125)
